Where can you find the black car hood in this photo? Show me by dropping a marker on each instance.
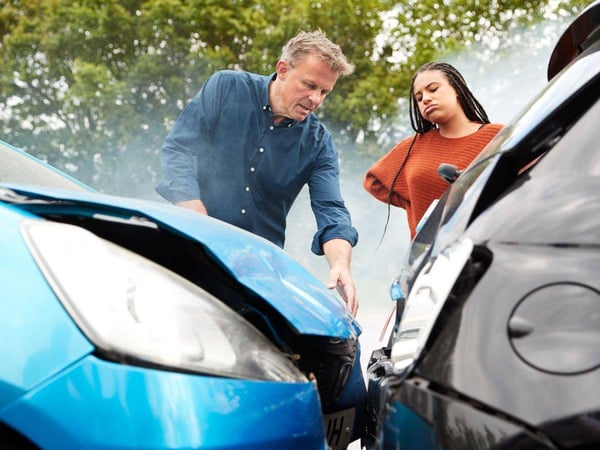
(565, 212)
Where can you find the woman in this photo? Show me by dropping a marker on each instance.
(451, 127)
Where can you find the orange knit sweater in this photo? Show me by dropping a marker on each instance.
(419, 183)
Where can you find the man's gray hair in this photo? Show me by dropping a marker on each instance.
(316, 43)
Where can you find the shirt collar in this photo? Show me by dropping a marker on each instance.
(266, 106)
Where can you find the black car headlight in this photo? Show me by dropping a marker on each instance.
(136, 310)
(425, 300)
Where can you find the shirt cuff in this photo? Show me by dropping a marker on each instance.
(336, 231)
(174, 195)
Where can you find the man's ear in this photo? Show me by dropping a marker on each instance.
(281, 69)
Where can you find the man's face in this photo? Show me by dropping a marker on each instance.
(302, 88)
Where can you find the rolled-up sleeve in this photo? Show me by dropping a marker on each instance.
(332, 217)
(184, 144)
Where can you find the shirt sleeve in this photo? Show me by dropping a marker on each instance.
(332, 216)
(185, 143)
(380, 176)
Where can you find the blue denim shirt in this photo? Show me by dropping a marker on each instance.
(225, 150)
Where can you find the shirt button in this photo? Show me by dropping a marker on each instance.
(247, 188)
(243, 211)
(271, 127)
(252, 169)
(261, 149)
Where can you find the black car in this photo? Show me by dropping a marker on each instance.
(497, 336)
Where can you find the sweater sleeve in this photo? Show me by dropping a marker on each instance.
(380, 176)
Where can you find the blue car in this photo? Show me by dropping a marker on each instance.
(127, 323)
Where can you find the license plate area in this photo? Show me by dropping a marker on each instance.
(338, 428)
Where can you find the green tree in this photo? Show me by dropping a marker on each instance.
(93, 87)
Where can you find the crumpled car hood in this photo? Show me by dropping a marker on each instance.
(259, 265)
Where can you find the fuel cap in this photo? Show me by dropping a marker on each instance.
(556, 328)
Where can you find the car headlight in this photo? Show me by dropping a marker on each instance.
(134, 309)
(425, 301)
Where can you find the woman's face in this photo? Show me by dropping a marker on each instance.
(435, 97)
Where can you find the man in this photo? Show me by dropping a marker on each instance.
(245, 146)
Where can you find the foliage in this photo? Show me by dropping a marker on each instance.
(93, 87)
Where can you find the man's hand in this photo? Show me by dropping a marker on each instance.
(338, 253)
(194, 205)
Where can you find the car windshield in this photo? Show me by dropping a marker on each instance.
(18, 167)
(520, 145)
(557, 92)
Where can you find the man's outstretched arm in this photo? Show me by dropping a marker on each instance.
(339, 253)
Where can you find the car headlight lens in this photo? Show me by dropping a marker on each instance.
(425, 301)
(132, 308)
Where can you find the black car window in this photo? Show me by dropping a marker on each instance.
(16, 167)
(525, 145)
(581, 77)
(567, 141)
(578, 152)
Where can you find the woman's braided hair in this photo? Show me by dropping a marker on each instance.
(470, 105)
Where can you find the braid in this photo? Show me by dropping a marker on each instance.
(391, 190)
(470, 105)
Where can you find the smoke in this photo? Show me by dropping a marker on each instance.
(505, 79)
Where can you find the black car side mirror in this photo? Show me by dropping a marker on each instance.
(448, 172)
